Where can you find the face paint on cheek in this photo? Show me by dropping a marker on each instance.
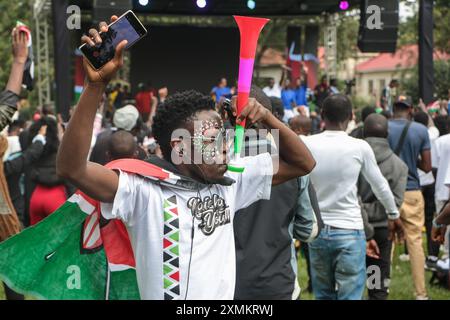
(208, 149)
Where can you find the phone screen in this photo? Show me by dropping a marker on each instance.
(126, 27)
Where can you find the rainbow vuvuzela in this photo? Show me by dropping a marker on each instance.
(249, 29)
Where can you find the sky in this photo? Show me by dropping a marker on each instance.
(407, 9)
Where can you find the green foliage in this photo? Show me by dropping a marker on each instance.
(410, 81)
(359, 102)
(409, 34)
(10, 12)
(347, 36)
(408, 31)
(441, 16)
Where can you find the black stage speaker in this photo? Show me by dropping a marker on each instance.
(426, 68)
(63, 58)
(104, 9)
(378, 25)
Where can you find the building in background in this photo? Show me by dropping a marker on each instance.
(272, 64)
(376, 73)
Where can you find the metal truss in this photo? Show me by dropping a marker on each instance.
(330, 43)
(42, 16)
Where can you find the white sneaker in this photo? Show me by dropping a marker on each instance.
(404, 257)
(443, 264)
(422, 298)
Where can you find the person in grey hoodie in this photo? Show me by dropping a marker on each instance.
(379, 227)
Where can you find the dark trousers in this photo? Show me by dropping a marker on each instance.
(430, 209)
(383, 263)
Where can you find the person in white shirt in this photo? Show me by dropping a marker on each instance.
(440, 159)
(428, 186)
(182, 240)
(273, 89)
(338, 255)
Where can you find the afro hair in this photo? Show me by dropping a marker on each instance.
(176, 110)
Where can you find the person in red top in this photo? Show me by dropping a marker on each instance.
(144, 100)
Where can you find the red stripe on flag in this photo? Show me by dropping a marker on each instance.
(139, 167)
(117, 244)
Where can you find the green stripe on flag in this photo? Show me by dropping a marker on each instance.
(46, 261)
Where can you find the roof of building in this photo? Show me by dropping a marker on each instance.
(271, 57)
(404, 58)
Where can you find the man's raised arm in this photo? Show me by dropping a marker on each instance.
(10, 97)
(95, 180)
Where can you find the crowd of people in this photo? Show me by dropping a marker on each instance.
(408, 144)
(346, 188)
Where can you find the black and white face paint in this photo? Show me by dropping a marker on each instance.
(209, 136)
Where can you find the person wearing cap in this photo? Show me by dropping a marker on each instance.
(411, 142)
(126, 118)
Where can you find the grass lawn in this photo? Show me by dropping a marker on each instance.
(401, 282)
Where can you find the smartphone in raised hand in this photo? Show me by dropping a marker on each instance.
(126, 27)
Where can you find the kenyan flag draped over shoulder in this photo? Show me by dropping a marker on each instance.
(71, 255)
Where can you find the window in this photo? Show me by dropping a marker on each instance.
(382, 84)
(370, 91)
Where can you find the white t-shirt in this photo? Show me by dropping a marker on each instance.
(159, 223)
(427, 178)
(447, 181)
(339, 161)
(440, 159)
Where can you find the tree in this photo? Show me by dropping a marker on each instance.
(441, 15)
(10, 12)
(409, 30)
(347, 35)
(410, 81)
